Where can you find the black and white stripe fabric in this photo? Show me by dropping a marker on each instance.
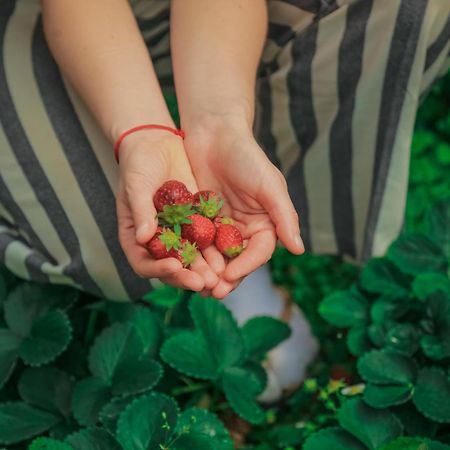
(338, 89)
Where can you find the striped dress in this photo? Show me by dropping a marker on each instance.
(337, 92)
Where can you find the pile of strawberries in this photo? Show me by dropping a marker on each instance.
(189, 223)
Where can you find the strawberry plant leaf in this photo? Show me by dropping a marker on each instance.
(115, 344)
(332, 438)
(426, 284)
(92, 439)
(415, 253)
(438, 224)
(134, 376)
(261, 334)
(358, 342)
(389, 308)
(48, 338)
(109, 414)
(414, 423)
(147, 423)
(148, 329)
(241, 387)
(373, 427)
(197, 426)
(412, 443)
(402, 338)
(9, 346)
(214, 321)
(19, 421)
(47, 388)
(381, 276)
(44, 443)
(432, 393)
(344, 309)
(436, 347)
(188, 352)
(165, 296)
(386, 367)
(89, 396)
(385, 395)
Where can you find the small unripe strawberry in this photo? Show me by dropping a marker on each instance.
(208, 203)
(223, 220)
(200, 231)
(172, 192)
(229, 240)
(186, 253)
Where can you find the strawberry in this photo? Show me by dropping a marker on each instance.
(201, 231)
(186, 253)
(208, 203)
(222, 220)
(172, 192)
(229, 240)
(162, 243)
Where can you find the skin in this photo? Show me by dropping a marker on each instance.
(216, 46)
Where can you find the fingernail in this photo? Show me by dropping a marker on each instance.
(298, 241)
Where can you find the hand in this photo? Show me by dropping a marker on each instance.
(147, 160)
(225, 158)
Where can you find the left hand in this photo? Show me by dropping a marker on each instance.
(225, 158)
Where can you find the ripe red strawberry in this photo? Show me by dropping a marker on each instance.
(222, 220)
(201, 231)
(172, 192)
(229, 240)
(163, 243)
(208, 203)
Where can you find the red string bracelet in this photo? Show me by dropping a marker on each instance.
(151, 126)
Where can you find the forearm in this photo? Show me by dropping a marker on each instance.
(100, 50)
(216, 47)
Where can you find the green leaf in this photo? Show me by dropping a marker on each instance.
(241, 387)
(19, 421)
(402, 338)
(426, 284)
(188, 352)
(89, 396)
(261, 334)
(214, 321)
(389, 308)
(198, 425)
(432, 393)
(381, 276)
(133, 376)
(358, 342)
(49, 337)
(438, 221)
(385, 395)
(165, 296)
(147, 423)
(436, 347)
(148, 329)
(92, 439)
(371, 426)
(414, 423)
(333, 439)
(413, 443)
(415, 253)
(109, 414)
(9, 345)
(113, 346)
(386, 367)
(44, 443)
(344, 309)
(48, 388)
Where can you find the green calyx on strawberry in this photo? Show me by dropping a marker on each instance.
(223, 220)
(201, 231)
(175, 214)
(187, 253)
(229, 240)
(208, 203)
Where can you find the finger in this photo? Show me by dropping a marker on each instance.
(185, 279)
(223, 288)
(278, 204)
(258, 251)
(201, 267)
(214, 259)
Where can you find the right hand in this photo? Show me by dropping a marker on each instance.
(147, 160)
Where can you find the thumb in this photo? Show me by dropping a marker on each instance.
(140, 193)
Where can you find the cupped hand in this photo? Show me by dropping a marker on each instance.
(228, 160)
(147, 160)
